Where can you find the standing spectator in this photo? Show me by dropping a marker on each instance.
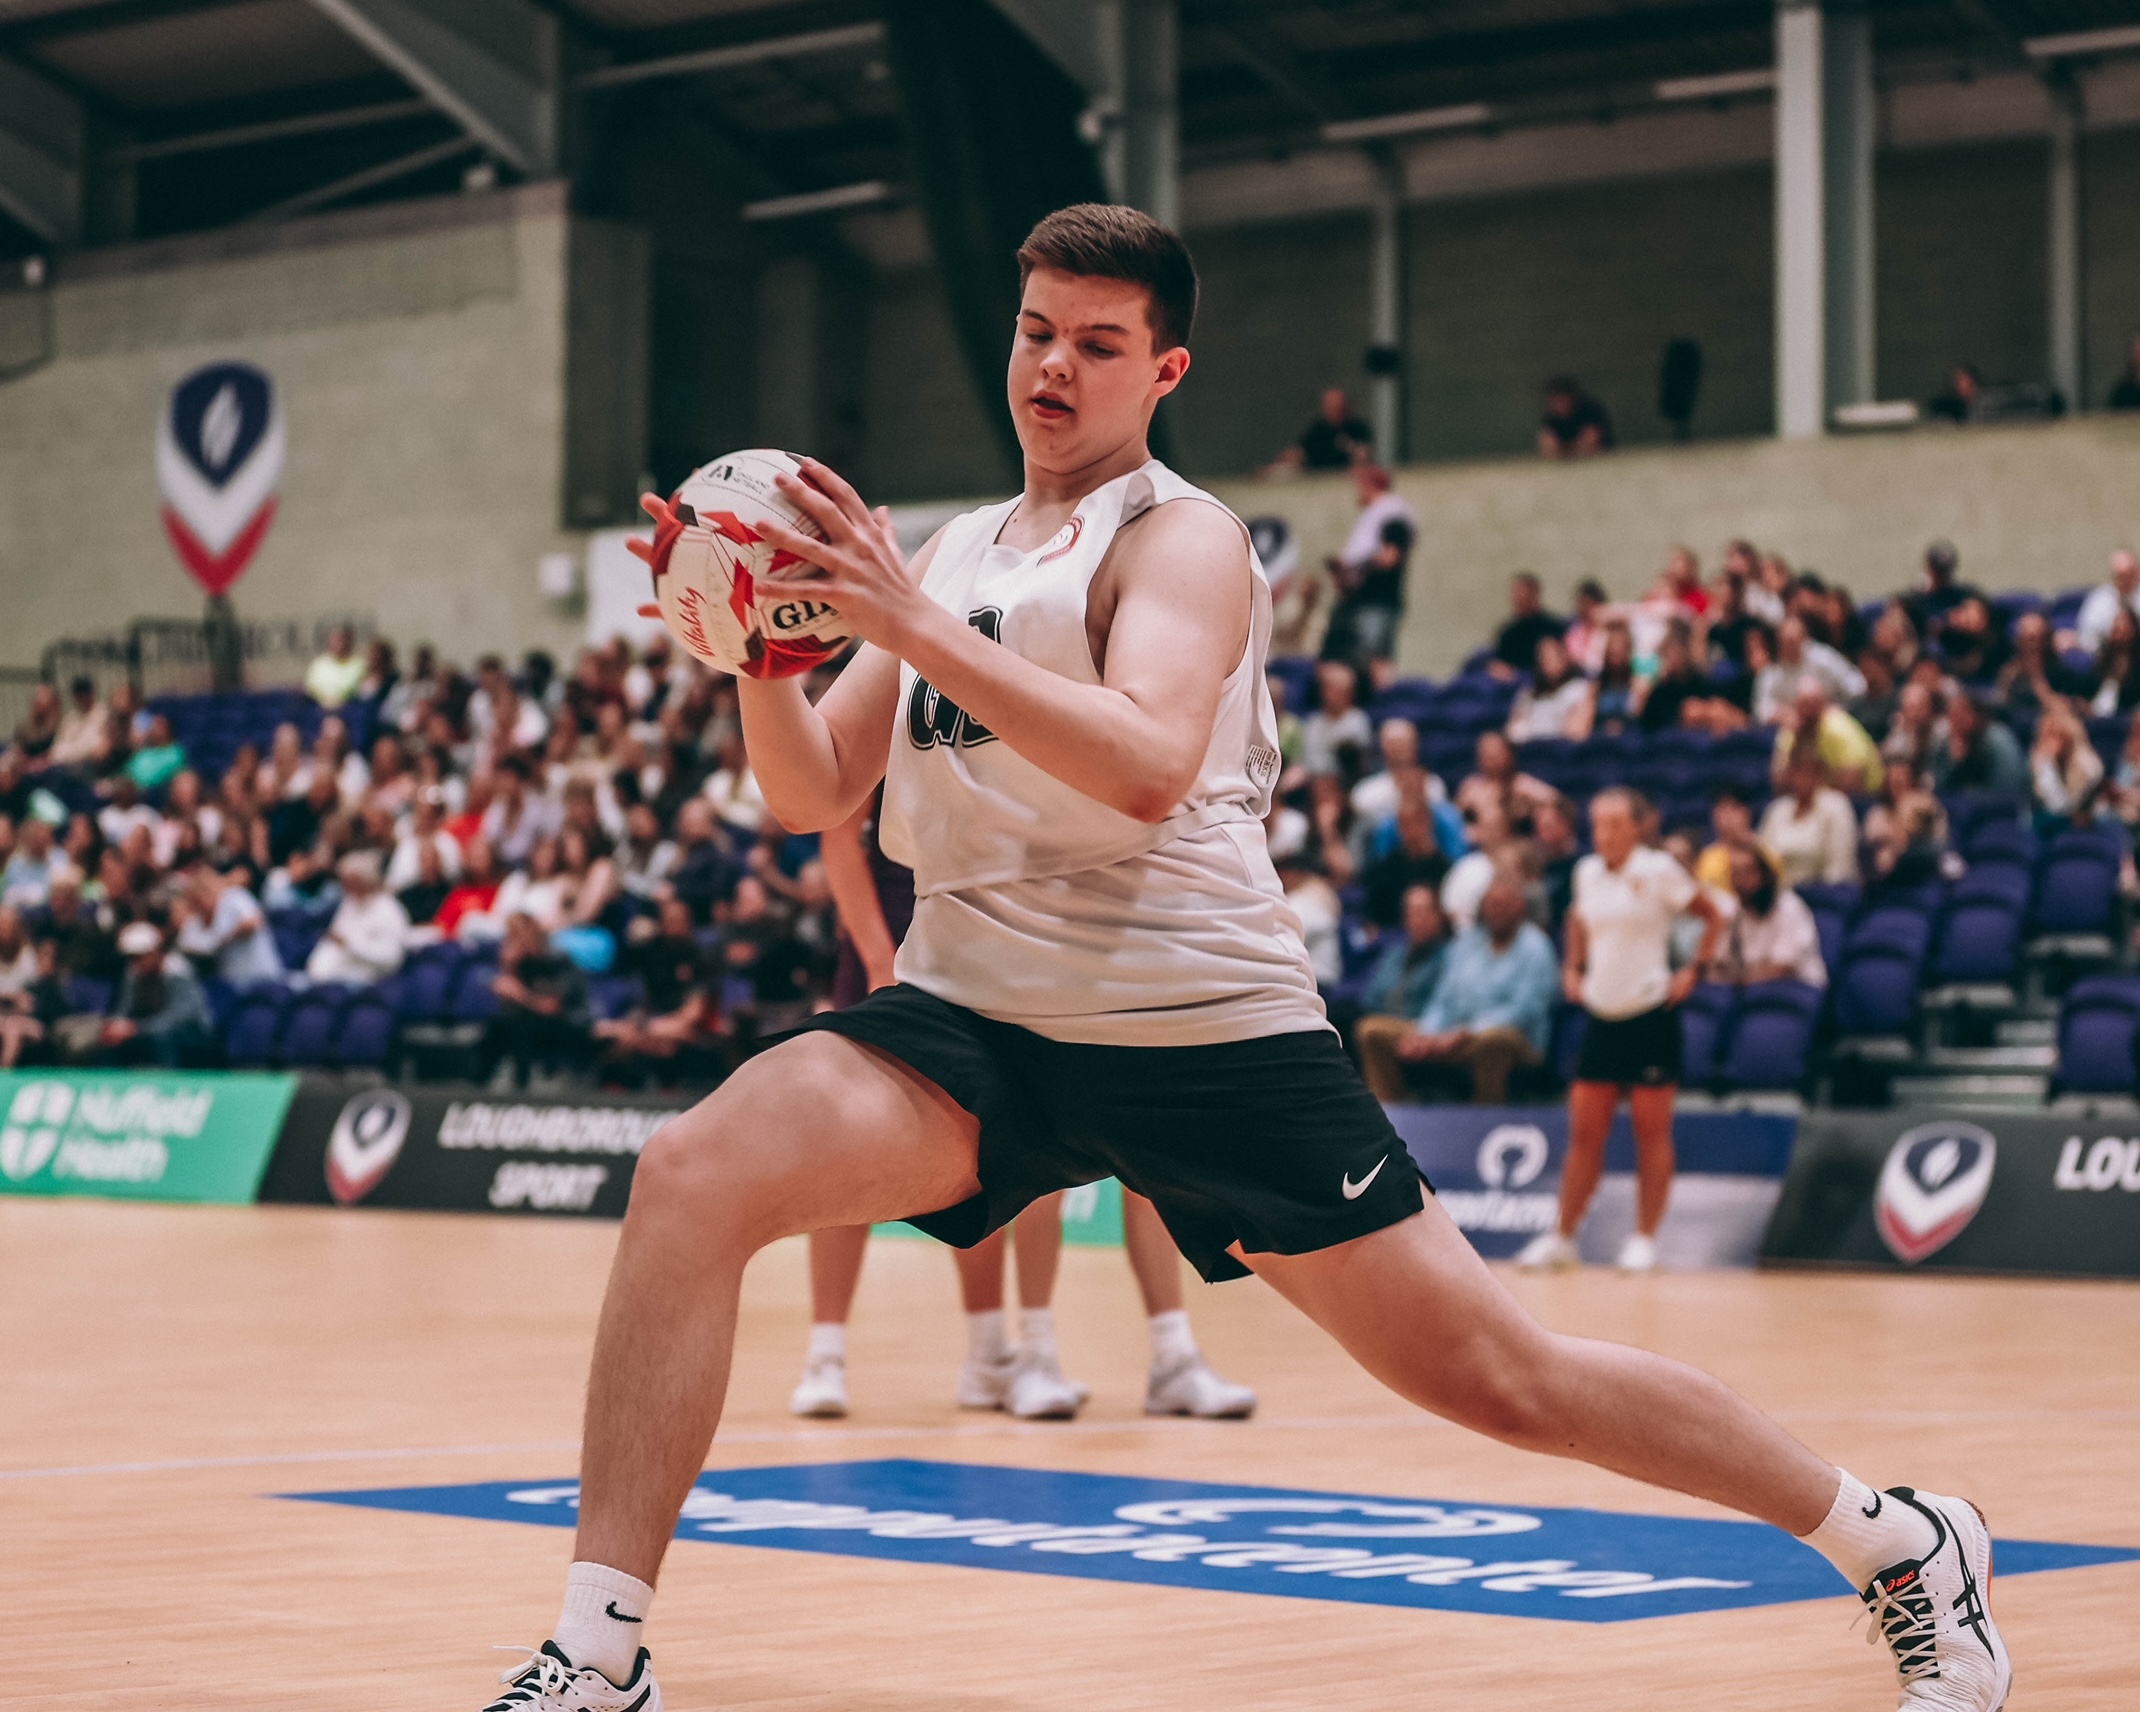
(1337, 725)
(1980, 754)
(2092, 624)
(1337, 439)
(1574, 425)
(1490, 1010)
(1617, 967)
(84, 739)
(2126, 394)
(334, 675)
(2065, 772)
(1404, 974)
(1811, 828)
(1843, 746)
(1516, 642)
(369, 933)
(1369, 575)
(222, 923)
(1772, 936)
(542, 1007)
(161, 1016)
(1557, 700)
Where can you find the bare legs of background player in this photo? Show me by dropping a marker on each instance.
(1590, 1112)
(1025, 1378)
(859, 1138)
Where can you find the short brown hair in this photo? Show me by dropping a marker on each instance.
(1105, 240)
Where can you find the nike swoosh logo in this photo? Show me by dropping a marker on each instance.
(1353, 1191)
(1874, 1511)
(620, 1616)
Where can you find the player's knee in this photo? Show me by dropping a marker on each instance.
(697, 1168)
(1511, 1397)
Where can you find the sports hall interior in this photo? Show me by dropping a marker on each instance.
(1850, 281)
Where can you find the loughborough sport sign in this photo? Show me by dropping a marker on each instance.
(1574, 1566)
(219, 454)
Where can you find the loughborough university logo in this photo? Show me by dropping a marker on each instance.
(219, 456)
(1935, 1179)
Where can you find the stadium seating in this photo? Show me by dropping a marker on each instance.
(2097, 1027)
(1773, 1027)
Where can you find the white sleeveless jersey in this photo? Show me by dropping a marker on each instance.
(1038, 905)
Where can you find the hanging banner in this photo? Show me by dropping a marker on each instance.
(219, 457)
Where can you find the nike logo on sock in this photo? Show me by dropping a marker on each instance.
(1353, 1191)
(612, 1611)
(1874, 1511)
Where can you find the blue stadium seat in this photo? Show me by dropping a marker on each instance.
(1297, 672)
(2076, 893)
(1701, 1027)
(1566, 1045)
(1900, 932)
(296, 933)
(255, 1028)
(1979, 943)
(613, 996)
(473, 1000)
(1876, 992)
(90, 994)
(1968, 811)
(2000, 882)
(365, 1039)
(308, 1031)
(426, 988)
(1832, 907)
(1772, 1032)
(2096, 1029)
(2003, 841)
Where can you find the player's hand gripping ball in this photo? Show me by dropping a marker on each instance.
(707, 558)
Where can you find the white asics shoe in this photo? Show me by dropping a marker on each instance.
(1039, 1392)
(822, 1393)
(986, 1384)
(550, 1682)
(1638, 1254)
(1549, 1251)
(1187, 1386)
(1934, 1613)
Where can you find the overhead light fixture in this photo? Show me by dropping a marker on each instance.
(2083, 42)
(819, 201)
(1716, 86)
(1408, 124)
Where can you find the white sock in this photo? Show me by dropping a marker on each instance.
(1172, 1340)
(1036, 1332)
(605, 1614)
(828, 1342)
(1866, 1531)
(988, 1338)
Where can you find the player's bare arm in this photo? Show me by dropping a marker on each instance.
(1178, 581)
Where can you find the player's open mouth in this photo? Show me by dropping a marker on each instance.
(1047, 405)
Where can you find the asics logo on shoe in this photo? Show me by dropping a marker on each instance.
(1353, 1191)
(1874, 1511)
(611, 1611)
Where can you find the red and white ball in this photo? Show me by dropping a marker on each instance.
(706, 578)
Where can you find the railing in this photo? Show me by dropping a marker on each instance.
(178, 656)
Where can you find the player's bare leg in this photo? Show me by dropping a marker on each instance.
(1025, 1378)
(1649, 1110)
(1181, 1381)
(1591, 1106)
(836, 1257)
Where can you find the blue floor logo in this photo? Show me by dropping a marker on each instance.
(1583, 1566)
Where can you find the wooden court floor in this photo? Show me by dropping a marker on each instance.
(165, 1371)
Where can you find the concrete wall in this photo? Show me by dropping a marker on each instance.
(421, 350)
(2029, 507)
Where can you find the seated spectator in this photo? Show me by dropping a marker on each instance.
(1681, 695)
(381, 675)
(1799, 656)
(1980, 754)
(1337, 724)
(542, 890)
(1574, 425)
(2123, 795)
(519, 818)
(1497, 780)
(221, 924)
(423, 897)
(334, 675)
(1369, 576)
(1771, 935)
(18, 958)
(423, 827)
(1516, 642)
(474, 897)
(1769, 683)
(2034, 677)
(1315, 901)
(1338, 438)
(1616, 697)
(1847, 754)
(645, 860)
(1962, 400)
(1585, 635)
(83, 741)
(677, 1024)
(707, 869)
(161, 1016)
(1905, 830)
(542, 1007)
(1875, 708)
(159, 757)
(590, 877)
(39, 729)
(30, 1011)
(1895, 636)
(1835, 620)
(1494, 850)
(33, 866)
(1557, 845)
(1407, 967)
(85, 939)
(1731, 820)
(1490, 1011)
(1941, 591)
(1405, 851)
(1916, 730)
(1725, 627)
(2065, 772)
(2117, 667)
(2091, 625)
(1678, 589)
(1557, 700)
(369, 934)
(1970, 643)
(2126, 394)
(126, 811)
(1811, 827)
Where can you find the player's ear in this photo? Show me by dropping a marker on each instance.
(1173, 364)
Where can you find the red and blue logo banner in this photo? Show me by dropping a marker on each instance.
(219, 455)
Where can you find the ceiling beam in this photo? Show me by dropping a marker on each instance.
(43, 155)
(1068, 32)
(741, 53)
(1282, 70)
(443, 48)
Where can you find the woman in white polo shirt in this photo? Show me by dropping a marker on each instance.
(1617, 966)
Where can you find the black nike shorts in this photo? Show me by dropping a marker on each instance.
(1642, 1051)
(1273, 1143)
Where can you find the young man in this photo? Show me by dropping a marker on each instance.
(1064, 698)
